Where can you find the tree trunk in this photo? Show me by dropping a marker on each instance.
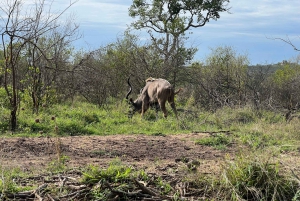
(14, 103)
(13, 119)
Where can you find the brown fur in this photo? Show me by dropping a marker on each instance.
(156, 91)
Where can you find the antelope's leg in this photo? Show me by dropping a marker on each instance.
(143, 109)
(163, 108)
(174, 109)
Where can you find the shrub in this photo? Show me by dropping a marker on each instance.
(4, 100)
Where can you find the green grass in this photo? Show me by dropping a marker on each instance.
(257, 177)
(256, 129)
(219, 141)
(88, 119)
(9, 180)
(81, 118)
(116, 172)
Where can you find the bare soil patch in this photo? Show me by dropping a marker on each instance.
(143, 151)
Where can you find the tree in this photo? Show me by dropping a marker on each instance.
(172, 18)
(22, 27)
(221, 81)
(286, 84)
(258, 89)
(103, 74)
(44, 74)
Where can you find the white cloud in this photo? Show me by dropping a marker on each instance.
(101, 12)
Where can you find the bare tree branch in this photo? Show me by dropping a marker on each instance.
(287, 41)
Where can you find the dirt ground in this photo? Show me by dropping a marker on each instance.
(141, 151)
(169, 156)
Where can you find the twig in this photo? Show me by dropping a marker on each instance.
(28, 194)
(40, 188)
(152, 199)
(288, 41)
(49, 196)
(213, 132)
(38, 196)
(70, 178)
(182, 188)
(125, 194)
(74, 193)
(73, 187)
(63, 181)
(21, 195)
(145, 189)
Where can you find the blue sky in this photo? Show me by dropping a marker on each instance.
(249, 28)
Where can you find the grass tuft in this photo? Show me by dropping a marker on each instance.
(257, 178)
(116, 172)
(219, 141)
(9, 181)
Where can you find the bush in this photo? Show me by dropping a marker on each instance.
(4, 100)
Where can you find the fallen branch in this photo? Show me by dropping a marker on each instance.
(27, 194)
(74, 193)
(145, 189)
(49, 196)
(38, 196)
(123, 193)
(213, 132)
(73, 187)
(40, 188)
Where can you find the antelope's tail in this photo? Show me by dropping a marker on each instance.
(179, 90)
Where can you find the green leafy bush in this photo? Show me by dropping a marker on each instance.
(4, 100)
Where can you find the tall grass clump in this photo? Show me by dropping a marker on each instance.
(264, 133)
(101, 178)
(257, 178)
(228, 117)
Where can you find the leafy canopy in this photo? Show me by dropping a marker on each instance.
(175, 16)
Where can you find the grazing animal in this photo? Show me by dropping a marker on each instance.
(156, 92)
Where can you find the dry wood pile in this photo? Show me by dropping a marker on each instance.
(69, 186)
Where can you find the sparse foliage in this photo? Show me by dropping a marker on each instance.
(23, 26)
(221, 81)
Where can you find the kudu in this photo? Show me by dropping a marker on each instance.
(155, 93)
